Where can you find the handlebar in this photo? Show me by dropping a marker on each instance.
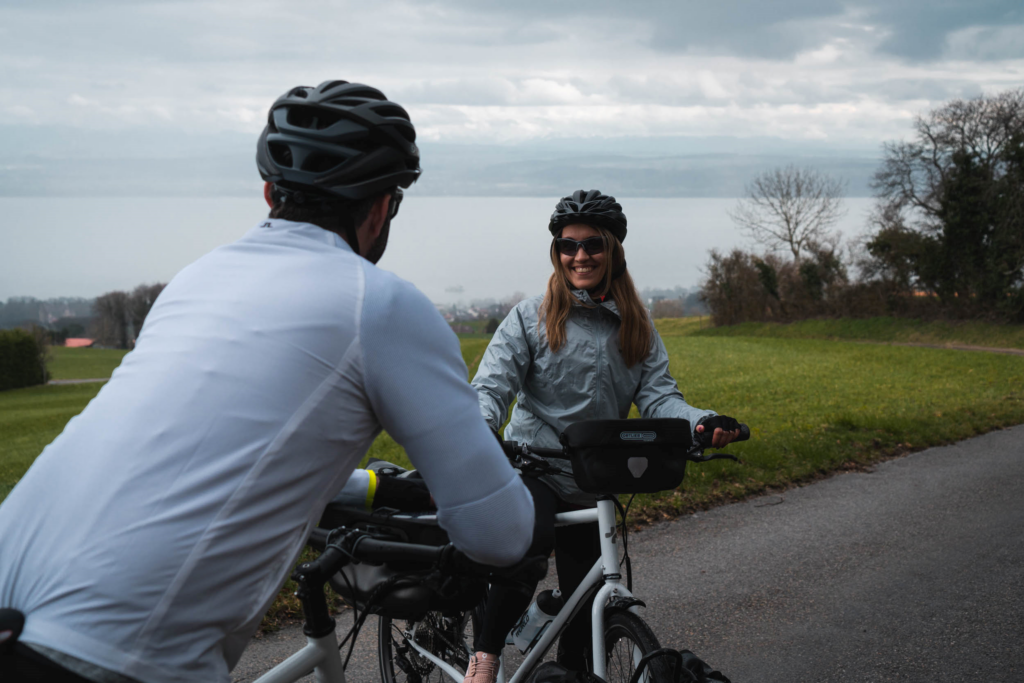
(532, 454)
(516, 449)
(346, 546)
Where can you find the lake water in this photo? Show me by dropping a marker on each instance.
(452, 248)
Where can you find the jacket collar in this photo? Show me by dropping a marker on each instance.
(585, 299)
(309, 230)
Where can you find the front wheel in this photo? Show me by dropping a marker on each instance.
(449, 638)
(627, 638)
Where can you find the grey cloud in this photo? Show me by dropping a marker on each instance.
(986, 43)
(911, 29)
(741, 27)
(221, 31)
(920, 28)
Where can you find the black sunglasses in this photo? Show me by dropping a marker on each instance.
(396, 201)
(569, 247)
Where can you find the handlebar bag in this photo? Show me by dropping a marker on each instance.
(628, 456)
(403, 598)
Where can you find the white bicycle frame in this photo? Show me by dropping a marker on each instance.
(605, 570)
(322, 656)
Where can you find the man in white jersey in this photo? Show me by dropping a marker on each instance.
(149, 538)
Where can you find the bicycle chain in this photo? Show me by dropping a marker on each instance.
(428, 644)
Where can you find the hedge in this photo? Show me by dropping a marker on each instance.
(20, 360)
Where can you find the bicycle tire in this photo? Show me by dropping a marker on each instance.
(449, 637)
(627, 638)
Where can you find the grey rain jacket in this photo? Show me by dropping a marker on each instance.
(587, 379)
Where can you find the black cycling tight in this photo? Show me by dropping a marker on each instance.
(25, 665)
(576, 548)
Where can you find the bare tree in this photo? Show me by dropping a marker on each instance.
(791, 208)
(139, 303)
(111, 310)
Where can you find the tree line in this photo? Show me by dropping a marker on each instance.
(113, 319)
(118, 316)
(946, 237)
(24, 311)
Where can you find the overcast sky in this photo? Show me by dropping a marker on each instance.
(488, 71)
(143, 98)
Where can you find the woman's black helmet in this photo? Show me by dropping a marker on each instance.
(338, 139)
(591, 208)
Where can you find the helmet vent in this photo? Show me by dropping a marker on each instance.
(281, 154)
(312, 119)
(387, 111)
(349, 101)
(318, 163)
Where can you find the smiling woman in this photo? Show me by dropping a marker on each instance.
(585, 350)
(588, 229)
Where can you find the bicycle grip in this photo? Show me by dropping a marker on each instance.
(744, 432)
(555, 453)
(371, 549)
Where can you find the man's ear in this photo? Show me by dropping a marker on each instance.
(378, 216)
(268, 189)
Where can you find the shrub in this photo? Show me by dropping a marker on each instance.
(744, 287)
(22, 359)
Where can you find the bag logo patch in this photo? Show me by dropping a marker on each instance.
(638, 436)
(637, 466)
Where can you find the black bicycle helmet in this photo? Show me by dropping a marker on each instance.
(591, 208)
(339, 139)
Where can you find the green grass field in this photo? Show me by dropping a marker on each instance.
(31, 418)
(817, 406)
(83, 363)
(870, 329)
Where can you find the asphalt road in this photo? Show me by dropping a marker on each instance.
(911, 572)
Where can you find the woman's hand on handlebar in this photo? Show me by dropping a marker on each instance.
(720, 438)
(725, 431)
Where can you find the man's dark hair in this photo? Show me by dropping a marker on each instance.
(332, 217)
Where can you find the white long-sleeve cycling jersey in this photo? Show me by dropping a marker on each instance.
(152, 534)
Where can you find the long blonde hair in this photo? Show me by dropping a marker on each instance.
(635, 333)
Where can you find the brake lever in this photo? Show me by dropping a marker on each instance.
(696, 454)
(714, 456)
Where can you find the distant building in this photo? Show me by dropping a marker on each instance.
(78, 342)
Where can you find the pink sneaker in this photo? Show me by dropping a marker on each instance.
(483, 668)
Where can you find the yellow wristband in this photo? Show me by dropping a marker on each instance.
(371, 489)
